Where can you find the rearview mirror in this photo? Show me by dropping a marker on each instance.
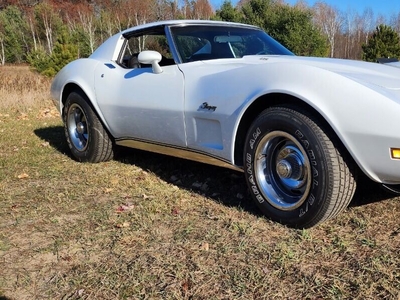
(152, 58)
(228, 39)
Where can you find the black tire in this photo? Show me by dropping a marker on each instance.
(295, 173)
(86, 135)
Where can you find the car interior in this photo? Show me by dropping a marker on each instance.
(195, 43)
(134, 44)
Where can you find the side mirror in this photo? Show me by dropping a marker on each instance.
(152, 58)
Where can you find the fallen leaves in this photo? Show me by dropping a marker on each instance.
(239, 196)
(15, 206)
(174, 211)
(23, 146)
(3, 116)
(78, 294)
(22, 176)
(48, 113)
(203, 186)
(45, 113)
(123, 225)
(124, 207)
(205, 246)
(22, 117)
(144, 196)
(108, 190)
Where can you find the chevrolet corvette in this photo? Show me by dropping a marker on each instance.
(227, 94)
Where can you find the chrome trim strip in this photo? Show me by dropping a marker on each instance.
(177, 152)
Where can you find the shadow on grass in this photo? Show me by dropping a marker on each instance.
(369, 192)
(54, 135)
(220, 184)
(226, 185)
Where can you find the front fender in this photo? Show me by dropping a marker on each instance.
(77, 74)
(363, 116)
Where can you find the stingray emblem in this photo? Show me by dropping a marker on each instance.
(208, 107)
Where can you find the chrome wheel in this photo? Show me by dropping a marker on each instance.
(77, 127)
(282, 170)
(86, 136)
(295, 171)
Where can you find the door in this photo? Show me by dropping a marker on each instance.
(139, 104)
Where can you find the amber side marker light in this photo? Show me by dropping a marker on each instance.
(395, 152)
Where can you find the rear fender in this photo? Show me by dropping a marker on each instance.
(72, 78)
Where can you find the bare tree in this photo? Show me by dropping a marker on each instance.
(167, 10)
(301, 4)
(87, 21)
(395, 22)
(2, 46)
(45, 16)
(106, 24)
(356, 32)
(2, 51)
(197, 9)
(380, 19)
(329, 21)
(349, 32)
(368, 22)
(202, 9)
(31, 21)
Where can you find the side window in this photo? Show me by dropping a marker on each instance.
(135, 45)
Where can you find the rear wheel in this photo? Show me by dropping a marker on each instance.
(86, 136)
(295, 173)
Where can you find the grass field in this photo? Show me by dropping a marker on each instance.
(146, 226)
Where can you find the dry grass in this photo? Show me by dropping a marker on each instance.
(150, 227)
(21, 89)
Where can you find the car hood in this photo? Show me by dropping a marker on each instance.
(381, 75)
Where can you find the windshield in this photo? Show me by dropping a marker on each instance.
(212, 42)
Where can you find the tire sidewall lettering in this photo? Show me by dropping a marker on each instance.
(302, 134)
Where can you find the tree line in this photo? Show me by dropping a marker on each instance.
(49, 33)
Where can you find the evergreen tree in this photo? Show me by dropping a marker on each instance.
(64, 52)
(228, 12)
(39, 59)
(291, 26)
(80, 39)
(12, 37)
(384, 43)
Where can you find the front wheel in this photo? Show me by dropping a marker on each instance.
(295, 173)
(86, 136)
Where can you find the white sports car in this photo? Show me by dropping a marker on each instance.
(228, 94)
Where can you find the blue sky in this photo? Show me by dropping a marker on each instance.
(384, 7)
